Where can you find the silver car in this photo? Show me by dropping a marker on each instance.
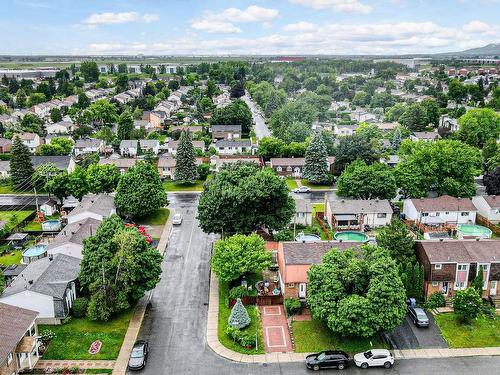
(302, 189)
(177, 219)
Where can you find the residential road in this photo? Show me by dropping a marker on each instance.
(260, 127)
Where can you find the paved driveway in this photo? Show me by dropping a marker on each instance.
(275, 331)
(409, 336)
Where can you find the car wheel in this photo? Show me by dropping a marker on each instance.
(387, 365)
(364, 365)
(315, 367)
(341, 366)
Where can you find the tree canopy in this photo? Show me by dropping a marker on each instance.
(478, 126)
(21, 168)
(316, 168)
(185, 167)
(236, 113)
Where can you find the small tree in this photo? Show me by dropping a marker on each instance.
(467, 304)
(316, 161)
(185, 168)
(478, 282)
(239, 316)
(21, 168)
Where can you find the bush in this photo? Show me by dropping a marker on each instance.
(292, 306)
(239, 292)
(46, 335)
(203, 171)
(240, 337)
(283, 235)
(79, 308)
(435, 300)
(467, 304)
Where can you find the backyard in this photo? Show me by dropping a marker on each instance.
(73, 339)
(10, 257)
(482, 332)
(12, 218)
(315, 336)
(34, 226)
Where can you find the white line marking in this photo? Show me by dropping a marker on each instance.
(282, 336)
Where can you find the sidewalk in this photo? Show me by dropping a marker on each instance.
(134, 327)
(81, 364)
(445, 353)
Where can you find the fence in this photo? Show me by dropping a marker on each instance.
(258, 300)
(481, 220)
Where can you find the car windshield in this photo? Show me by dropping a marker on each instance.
(368, 354)
(321, 356)
(421, 314)
(136, 353)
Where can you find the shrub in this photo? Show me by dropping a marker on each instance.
(283, 235)
(46, 335)
(467, 304)
(292, 306)
(79, 308)
(239, 292)
(239, 316)
(436, 299)
(240, 337)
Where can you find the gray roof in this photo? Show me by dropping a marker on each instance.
(149, 143)
(426, 135)
(175, 144)
(128, 143)
(285, 162)
(75, 232)
(311, 252)
(357, 206)
(233, 143)
(66, 124)
(226, 128)
(61, 162)
(88, 142)
(303, 205)
(46, 276)
(101, 204)
(120, 162)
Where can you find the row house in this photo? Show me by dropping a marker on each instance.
(225, 132)
(488, 206)
(167, 107)
(232, 146)
(294, 167)
(31, 140)
(172, 146)
(61, 127)
(149, 145)
(167, 164)
(128, 147)
(452, 265)
(156, 119)
(354, 214)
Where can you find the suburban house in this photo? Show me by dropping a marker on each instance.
(217, 161)
(149, 145)
(31, 140)
(18, 339)
(98, 207)
(88, 146)
(5, 145)
(452, 265)
(441, 213)
(232, 146)
(345, 130)
(386, 126)
(295, 259)
(424, 136)
(390, 160)
(303, 212)
(293, 167)
(61, 127)
(488, 206)
(354, 214)
(64, 163)
(48, 286)
(128, 147)
(225, 132)
(69, 241)
(156, 119)
(172, 146)
(123, 164)
(167, 163)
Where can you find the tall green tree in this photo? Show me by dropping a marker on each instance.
(58, 186)
(236, 113)
(316, 161)
(185, 167)
(363, 181)
(352, 148)
(478, 281)
(89, 71)
(102, 178)
(125, 125)
(478, 126)
(397, 240)
(77, 183)
(21, 168)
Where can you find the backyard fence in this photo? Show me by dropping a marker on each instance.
(481, 220)
(258, 300)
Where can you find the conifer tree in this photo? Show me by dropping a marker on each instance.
(21, 168)
(185, 168)
(125, 125)
(316, 163)
(239, 316)
(396, 139)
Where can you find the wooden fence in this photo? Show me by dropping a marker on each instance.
(481, 220)
(258, 300)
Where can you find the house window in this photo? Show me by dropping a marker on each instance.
(10, 358)
(464, 213)
(279, 169)
(438, 213)
(435, 283)
(438, 266)
(425, 214)
(288, 169)
(447, 213)
(381, 215)
(291, 285)
(460, 285)
(462, 267)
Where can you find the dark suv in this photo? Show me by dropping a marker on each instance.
(418, 316)
(327, 359)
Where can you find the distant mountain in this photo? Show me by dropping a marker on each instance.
(492, 49)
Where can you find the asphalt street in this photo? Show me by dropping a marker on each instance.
(175, 325)
(260, 127)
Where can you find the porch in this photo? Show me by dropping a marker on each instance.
(27, 353)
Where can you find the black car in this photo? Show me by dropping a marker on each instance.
(418, 316)
(327, 359)
(139, 355)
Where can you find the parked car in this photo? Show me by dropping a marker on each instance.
(302, 189)
(177, 219)
(139, 355)
(373, 358)
(327, 359)
(418, 316)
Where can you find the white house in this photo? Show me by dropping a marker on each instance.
(31, 140)
(303, 212)
(232, 146)
(88, 146)
(94, 206)
(441, 210)
(128, 147)
(69, 240)
(355, 213)
(61, 127)
(345, 130)
(488, 206)
(149, 145)
(173, 145)
(49, 208)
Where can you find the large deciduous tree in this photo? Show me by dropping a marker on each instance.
(185, 167)
(478, 126)
(397, 240)
(21, 168)
(351, 148)
(316, 161)
(102, 178)
(242, 197)
(363, 181)
(140, 192)
(236, 113)
(90, 71)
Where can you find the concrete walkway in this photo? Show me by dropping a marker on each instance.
(275, 332)
(81, 364)
(134, 327)
(445, 353)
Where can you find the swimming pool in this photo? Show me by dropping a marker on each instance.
(473, 230)
(34, 253)
(51, 225)
(351, 236)
(307, 237)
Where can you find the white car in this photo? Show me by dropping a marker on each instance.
(302, 189)
(177, 219)
(374, 357)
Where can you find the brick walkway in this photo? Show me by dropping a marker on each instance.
(275, 330)
(82, 364)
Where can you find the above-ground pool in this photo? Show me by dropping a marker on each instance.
(351, 236)
(51, 225)
(307, 237)
(34, 253)
(473, 230)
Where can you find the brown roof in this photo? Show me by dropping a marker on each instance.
(169, 161)
(311, 252)
(465, 251)
(14, 322)
(492, 200)
(443, 203)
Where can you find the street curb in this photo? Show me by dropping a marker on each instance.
(185, 192)
(135, 324)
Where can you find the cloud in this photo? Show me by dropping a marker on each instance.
(478, 27)
(109, 18)
(347, 6)
(214, 26)
(251, 14)
(301, 27)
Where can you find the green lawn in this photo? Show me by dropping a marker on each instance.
(291, 184)
(315, 187)
(159, 217)
(315, 336)
(11, 257)
(19, 216)
(480, 333)
(255, 325)
(74, 338)
(173, 186)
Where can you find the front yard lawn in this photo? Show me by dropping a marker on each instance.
(173, 186)
(315, 187)
(159, 217)
(480, 333)
(73, 339)
(255, 324)
(291, 184)
(315, 336)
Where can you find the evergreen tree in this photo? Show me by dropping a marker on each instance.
(396, 139)
(316, 163)
(125, 125)
(21, 168)
(185, 168)
(239, 316)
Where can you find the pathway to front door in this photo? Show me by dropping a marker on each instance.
(275, 329)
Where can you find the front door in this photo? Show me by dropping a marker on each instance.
(444, 290)
(493, 288)
(302, 290)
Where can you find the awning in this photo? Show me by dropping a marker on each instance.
(26, 345)
(346, 217)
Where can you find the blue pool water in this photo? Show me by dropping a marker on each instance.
(35, 251)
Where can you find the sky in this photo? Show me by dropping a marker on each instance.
(249, 27)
